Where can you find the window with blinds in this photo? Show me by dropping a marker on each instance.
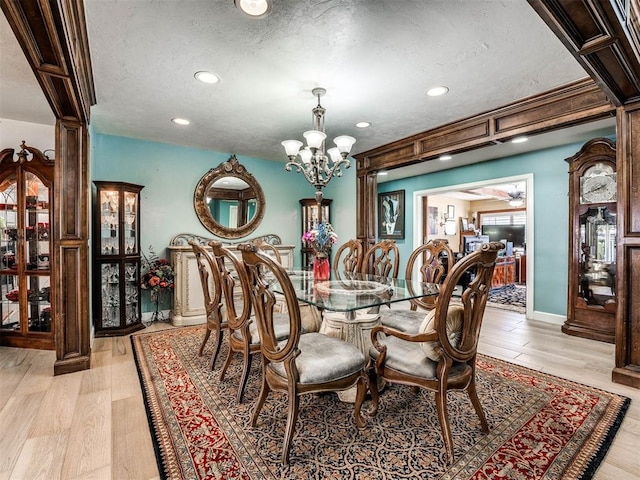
(504, 218)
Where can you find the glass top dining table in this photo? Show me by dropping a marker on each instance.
(348, 292)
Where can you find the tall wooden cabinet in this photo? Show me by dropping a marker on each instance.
(592, 301)
(311, 216)
(26, 195)
(116, 258)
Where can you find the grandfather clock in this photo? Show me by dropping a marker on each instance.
(592, 303)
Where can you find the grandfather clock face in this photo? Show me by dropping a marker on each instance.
(598, 184)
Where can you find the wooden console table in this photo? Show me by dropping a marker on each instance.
(188, 299)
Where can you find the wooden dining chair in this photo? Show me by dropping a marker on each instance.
(442, 356)
(311, 316)
(243, 333)
(304, 363)
(212, 293)
(435, 258)
(268, 248)
(382, 259)
(348, 257)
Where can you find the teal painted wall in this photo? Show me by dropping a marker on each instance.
(170, 174)
(551, 187)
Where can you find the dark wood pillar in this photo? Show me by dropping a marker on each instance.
(71, 213)
(366, 193)
(627, 369)
(53, 37)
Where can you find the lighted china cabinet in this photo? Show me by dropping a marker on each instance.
(311, 216)
(116, 258)
(592, 301)
(26, 195)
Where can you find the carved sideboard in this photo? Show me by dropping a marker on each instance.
(188, 300)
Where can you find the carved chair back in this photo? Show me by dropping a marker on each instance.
(349, 256)
(268, 248)
(212, 293)
(237, 302)
(382, 259)
(437, 259)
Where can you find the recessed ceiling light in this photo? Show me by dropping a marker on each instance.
(254, 8)
(380, 174)
(207, 77)
(445, 157)
(519, 139)
(437, 91)
(363, 124)
(181, 121)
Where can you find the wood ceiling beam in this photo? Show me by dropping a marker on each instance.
(603, 37)
(573, 104)
(50, 37)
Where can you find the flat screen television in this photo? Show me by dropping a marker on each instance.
(510, 233)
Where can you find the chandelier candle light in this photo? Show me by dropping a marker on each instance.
(317, 167)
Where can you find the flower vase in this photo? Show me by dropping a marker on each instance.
(321, 268)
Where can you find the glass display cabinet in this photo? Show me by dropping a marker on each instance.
(592, 302)
(312, 215)
(26, 193)
(116, 258)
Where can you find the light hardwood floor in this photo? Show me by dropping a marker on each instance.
(93, 425)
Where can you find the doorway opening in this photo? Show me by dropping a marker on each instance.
(459, 213)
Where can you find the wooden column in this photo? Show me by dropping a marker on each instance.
(53, 37)
(71, 213)
(366, 192)
(627, 369)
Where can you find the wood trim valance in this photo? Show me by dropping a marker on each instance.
(573, 104)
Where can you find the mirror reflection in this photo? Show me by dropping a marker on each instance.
(229, 201)
(232, 202)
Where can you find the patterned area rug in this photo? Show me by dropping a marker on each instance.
(510, 297)
(542, 427)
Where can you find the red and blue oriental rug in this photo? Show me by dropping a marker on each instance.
(542, 427)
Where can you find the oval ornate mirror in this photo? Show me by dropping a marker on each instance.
(229, 201)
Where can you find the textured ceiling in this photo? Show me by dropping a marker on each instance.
(376, 58)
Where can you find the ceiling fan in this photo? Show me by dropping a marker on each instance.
(516, 197)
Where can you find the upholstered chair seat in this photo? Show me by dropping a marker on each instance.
(323, 359)
(402, 319)
(420, 359)
(409, 358)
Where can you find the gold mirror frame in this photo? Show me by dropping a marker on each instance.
(230, 168)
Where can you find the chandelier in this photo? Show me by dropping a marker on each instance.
(317, 167)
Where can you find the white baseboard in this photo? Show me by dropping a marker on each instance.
(549, 317)
(147, 316)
